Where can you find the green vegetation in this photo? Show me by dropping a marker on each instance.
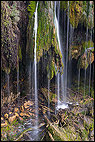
(79, 12)
(31, 8)
(47, 44)
(15, 13)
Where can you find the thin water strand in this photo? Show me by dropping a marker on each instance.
(58, 89)
(57, 6)
(30, 78)
(85, 61)
(35, 66)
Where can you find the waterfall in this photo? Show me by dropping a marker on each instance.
(70, 57)
(90, 65)
(86, 55)
(35, 70)
(67, 51)
(57, 25)
(85, 60)
(58, 89)
(30, 91)
(85, 73)
(58, 38)
(60, 78)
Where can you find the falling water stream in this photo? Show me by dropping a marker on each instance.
(67, 51)
(30, 91)
(63, 77)
(85, 61)
(35, 72)
(58, 89)
(57, 28)
(90, 67)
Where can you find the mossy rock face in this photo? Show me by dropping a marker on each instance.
(79, 12)
(31, 8)
(75, 51)
(9, 36)
(47, 44)
(85, 60)
(84, 53)
(88, 56)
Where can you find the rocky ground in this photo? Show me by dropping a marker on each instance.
(73, 123)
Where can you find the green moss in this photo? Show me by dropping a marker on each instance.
(46, 39)
(31, 8)
(19, 53)
(78, 52)
(87, 44)
(79, 12)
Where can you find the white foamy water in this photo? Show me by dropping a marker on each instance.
(62, 106)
